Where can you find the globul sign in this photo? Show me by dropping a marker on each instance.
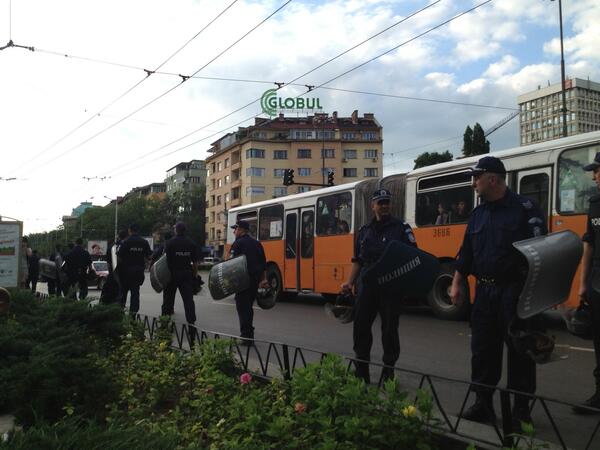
(271, 103)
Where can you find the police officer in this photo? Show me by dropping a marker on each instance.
(370, 244)
(590, 268)
(132, 254)
(245, 244)
(54, 285)
(78, 264)
(503, 217)
(33, 271)
(182, 260)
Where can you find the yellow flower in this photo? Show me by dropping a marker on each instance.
(162, 345)
(409, 411)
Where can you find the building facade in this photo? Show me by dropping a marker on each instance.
(541, 117)
(150, 191)
(186, 176)
(248, 166)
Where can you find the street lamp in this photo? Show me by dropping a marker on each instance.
(562, 71)
(116, 215)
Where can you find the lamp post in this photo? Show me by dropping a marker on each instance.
(562, 72)
(116, 215)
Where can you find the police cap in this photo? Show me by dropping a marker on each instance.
(488, 164)
(595, 164)
(241, 224)
(381, 194)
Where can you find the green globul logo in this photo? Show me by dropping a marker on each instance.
(270, 103)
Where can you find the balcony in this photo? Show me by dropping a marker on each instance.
(235, 202)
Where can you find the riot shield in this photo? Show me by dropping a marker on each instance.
(113, 257)
(160, 275)
(403, 271)
(552, 261)
(228, 277)
(48, 269)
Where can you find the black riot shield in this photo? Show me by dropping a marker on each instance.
(160, 275)
(403, 271)
(228, 277)
(552, 261)
(48, 269)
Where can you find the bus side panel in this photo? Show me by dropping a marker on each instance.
(274, 254)
(577, 224)
(333, 262)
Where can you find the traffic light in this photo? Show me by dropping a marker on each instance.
(330, 178)
(288, 177)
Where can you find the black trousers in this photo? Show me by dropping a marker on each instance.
(182, 280)
(494, 308)
(131, 279)
(594, 302)
(369, 303)
(243, 303)
(54, 287)
(76, 281)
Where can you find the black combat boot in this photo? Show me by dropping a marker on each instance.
(592, 402)
(481, 411)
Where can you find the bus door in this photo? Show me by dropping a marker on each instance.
(535, 184)
(307, 249)
(291, 269)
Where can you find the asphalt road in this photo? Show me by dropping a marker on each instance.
(429, 345)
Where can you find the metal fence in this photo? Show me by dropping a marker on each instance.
(554, 422)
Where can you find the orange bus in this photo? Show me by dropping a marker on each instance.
(309, 237)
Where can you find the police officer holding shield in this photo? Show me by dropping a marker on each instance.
(182, 260)
(132, 253)
(590, 268)
(245, 244)
(78, 263)
(487, 252)
(370, 245)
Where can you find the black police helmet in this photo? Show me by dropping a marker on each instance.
(535, 344)
(265, 298)
(579, 321)
(342, 309)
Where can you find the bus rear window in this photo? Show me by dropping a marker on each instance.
(334, 214)
(270, 223)
(575, 186)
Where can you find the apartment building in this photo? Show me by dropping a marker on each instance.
(541, 117)
(186, 175)
(150, 191)
(247, 166)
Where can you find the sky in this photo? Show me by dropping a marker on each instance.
(81, 120)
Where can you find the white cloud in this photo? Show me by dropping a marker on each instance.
(508, 63)
(441, 80)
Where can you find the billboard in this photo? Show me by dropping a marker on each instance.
(10, 252)
(97, 248)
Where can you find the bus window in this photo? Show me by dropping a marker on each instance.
(442, 207)
(334, 214)
(536, 187)
(575, 186)
(290, 236)
(249, 217)
(270, 223)
(307, 236)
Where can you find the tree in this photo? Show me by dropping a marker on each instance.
(428, 159)
(474, 141)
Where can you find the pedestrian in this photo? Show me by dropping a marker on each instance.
(590, 268)
(245, 244)
(369, 247)
(54, 285)
(132, 253)
(111, 291)
(33, 270)
(78, 263)
(182, 261)
(503, 217)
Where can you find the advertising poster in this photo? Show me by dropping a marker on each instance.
(10, 251)
(97, 248)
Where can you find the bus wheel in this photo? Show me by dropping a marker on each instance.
(439, 296)
(274, 279)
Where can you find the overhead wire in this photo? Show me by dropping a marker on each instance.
(127, 91)
(121, 172)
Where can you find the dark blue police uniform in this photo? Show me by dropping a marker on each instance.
(181, 253)
(370, 245)
(488, 254)
(132, 254)
(77, 262)
(256, 262)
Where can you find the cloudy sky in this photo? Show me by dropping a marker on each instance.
(81, 105)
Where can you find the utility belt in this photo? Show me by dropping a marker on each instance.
(493, 281)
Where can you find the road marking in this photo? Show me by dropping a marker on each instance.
(581, 349)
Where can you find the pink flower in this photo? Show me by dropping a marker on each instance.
(299, 408)
(245, 378)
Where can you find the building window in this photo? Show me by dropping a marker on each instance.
(219, 166)
(255, 153)
(370, 153)
(327, 170)
(227, 179)
(328, 153)
(348, 136)
(302, 189)
(350, 172)
(218, 199)
(279, 191)
(304, 153)
(301, 134)
(212, 200)
(235, 193)
(279, 154)
(304, 172)
(255, 172)
(226, 197)
(350, 154)
(328, 134)
(369, 136)
(371, 172)
(226, 162)
(212, 217)
(212, 233)
(219, 183)
(278, 172)
(254, 190)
